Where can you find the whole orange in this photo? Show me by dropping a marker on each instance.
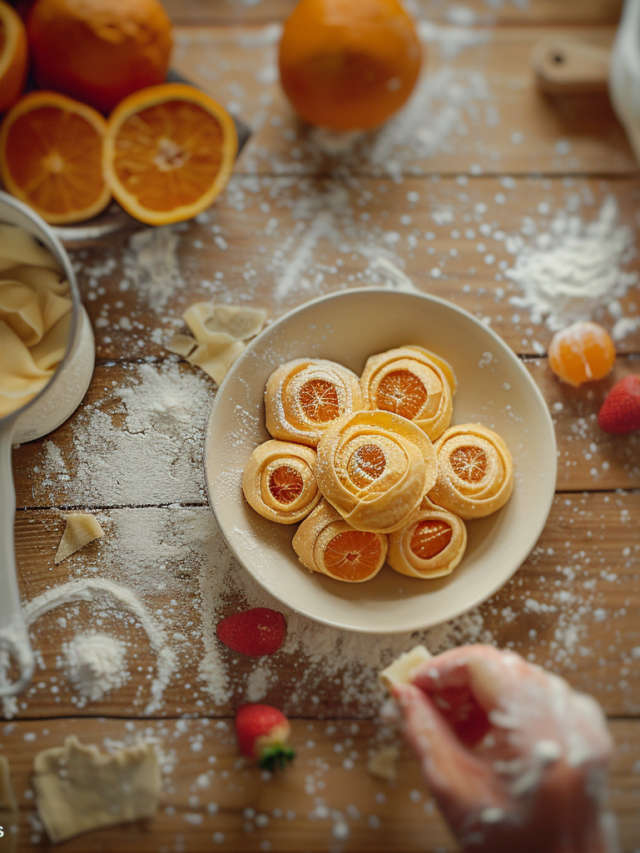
(14, 62)
(99, 51)
(349, 64)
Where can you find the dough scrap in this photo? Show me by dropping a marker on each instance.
(80, 789)
(9, 815)
(218, 335)
(81, 528)
(402, 669)
(383, 763)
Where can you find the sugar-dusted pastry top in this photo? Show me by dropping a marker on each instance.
(35, 317)
(303, 397)
(475, 471)
(412, 382)
(431, 543)
(374, 468)
(279, 481)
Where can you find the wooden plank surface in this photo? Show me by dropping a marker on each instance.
(475, 110)
(573, 606)
(471, 11)
(277, 242)
(326, 800)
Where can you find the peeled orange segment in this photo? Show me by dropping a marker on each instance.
(51, 157)
(353, 555)
(169, 151)
(14, 62)
(581, 353)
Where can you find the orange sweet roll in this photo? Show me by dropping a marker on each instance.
(412, 382)
(279, 481)
(326, 543)
(375, 468)
(475, 471)
(430, 545)
(304, 397)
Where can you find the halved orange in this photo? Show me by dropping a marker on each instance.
(169, 151)
(14, 61)
(354, 555)
(51, 157)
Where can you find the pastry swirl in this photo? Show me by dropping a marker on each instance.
(325, 543)
(430, 545)
(375, 468)
(279, 481)
(475, 471)
(303, 397)
(411, 382)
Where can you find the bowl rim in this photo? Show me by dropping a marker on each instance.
(429, 298)
(59, 252)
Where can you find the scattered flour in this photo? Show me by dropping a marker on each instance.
(151, 264)
(575, 269)
(95, 664)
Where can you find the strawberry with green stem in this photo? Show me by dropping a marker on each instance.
(263, 732)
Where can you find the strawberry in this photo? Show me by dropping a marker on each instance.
(620, 411)
(262, 733)
(260, 631)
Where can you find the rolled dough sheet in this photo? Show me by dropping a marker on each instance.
(79, 789)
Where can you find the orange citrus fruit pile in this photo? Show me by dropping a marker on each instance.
(99, 51)
(347, 64)
(581, 353)
(14, 63)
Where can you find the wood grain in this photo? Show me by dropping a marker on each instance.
(483, 11)
(277, 242)
(573, 606)
(476, 110)
(326, 800)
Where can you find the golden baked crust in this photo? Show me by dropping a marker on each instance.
(279, 481)
(374, 468)
(475, 471)
(325, 543)
(430, 545)
(412, 382)
(303, 397)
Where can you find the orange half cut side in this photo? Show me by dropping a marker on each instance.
(14, 62)
(169, 152)
(51, 157)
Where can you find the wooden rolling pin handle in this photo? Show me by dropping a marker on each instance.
(569, 66)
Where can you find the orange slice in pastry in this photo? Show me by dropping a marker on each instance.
(305, 396)
(279, 481)
(475, 471)
(430, 545)
(413, 383)
(325, 543)
(375, 468)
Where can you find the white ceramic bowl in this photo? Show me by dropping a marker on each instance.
(494, 389)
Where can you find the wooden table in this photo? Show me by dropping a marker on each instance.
(295, 222)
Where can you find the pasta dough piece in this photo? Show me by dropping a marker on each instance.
(375, 468)
(35, 317)
(81, 528)
(305, 396)
(218, 335)
(325, 543)
(402, 670)
(8, 810)
(383, 763)
(412, 382)
(475, 471)
(430, 545)
(79, 789)
(279, 481)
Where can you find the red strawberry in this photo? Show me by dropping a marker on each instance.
(262, 733)
(260, 631)
(620, 411)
